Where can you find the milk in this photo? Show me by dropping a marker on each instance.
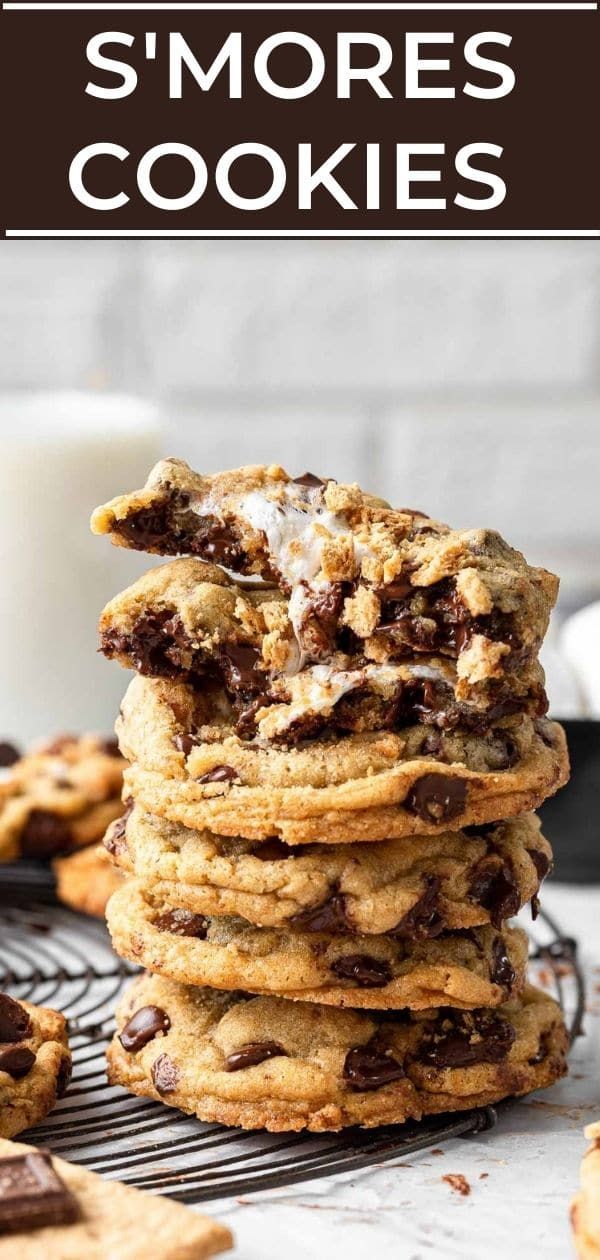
(61, 455)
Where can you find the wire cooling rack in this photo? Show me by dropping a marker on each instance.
(54, 957)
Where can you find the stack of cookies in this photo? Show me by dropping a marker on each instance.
(333, 763)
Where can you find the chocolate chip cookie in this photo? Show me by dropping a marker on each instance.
(263, 1062)
(475, 967)
(188, 621)
(585, 1209)
(51, 1208)
(35, 1063)
(192, 767)
(86, 880)
(59, 797)
(416, 887)
(349, 563)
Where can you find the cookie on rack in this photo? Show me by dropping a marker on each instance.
(60, 796)
(476, 967)
(416, 887)
(190, 766)
(585, 1209)
(187, 621)
(264, 1062)
(348, 561)
(86, 880)
(52, 1208)
(35, 1063)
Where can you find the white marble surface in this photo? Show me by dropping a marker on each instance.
(521, 1174)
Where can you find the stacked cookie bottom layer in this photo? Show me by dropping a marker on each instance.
(324, 985)
(329, 825)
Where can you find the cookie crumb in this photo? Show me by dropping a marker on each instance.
(458, 1182)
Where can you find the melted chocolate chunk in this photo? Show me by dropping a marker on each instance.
(182, 923)
(436, 797)
(363, 971)
(143, 1026)
(15, 1023)
(320, 622)
(240, 664)
(219, 774)
(423, 920)
(184, 743)
(165, 1074)
(110, 746)
(17, 1061)
(434, 618)
(397, 589)
(45, 834)
(540, 861)
(330, 916)
(502, 971)
(32, 1195)
(371, 1066)
(493, 886)
(115, 839)
(309, 479)
(9, 753)
(251, 1054)
(459, 1039)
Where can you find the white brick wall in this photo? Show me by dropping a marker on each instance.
(461, 376)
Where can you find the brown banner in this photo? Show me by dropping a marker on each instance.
(291, 122)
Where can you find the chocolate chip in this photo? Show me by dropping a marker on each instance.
(535, 907)
(9, 753)
(15, 1023)
(460, 1039)
(45, 834)
(371, 1066)
(543, 1049)
(110, 747)
(17, 1061)
(365, 972)
(32, 1195)
(329, 916)
(436, 797)
(63, 1077)
(182, 923)
(502, 971)
(502, 751)
(165, 1074)
(143, 1027)
(493, 886)
(422, 921)
(219, 774)
(274, 850)
(115, 841)
(543, 728)
(251, 1054)
(309, 479)
(540, 861)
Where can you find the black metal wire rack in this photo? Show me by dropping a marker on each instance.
(52, 956)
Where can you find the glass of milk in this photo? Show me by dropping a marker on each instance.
(61, 454)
